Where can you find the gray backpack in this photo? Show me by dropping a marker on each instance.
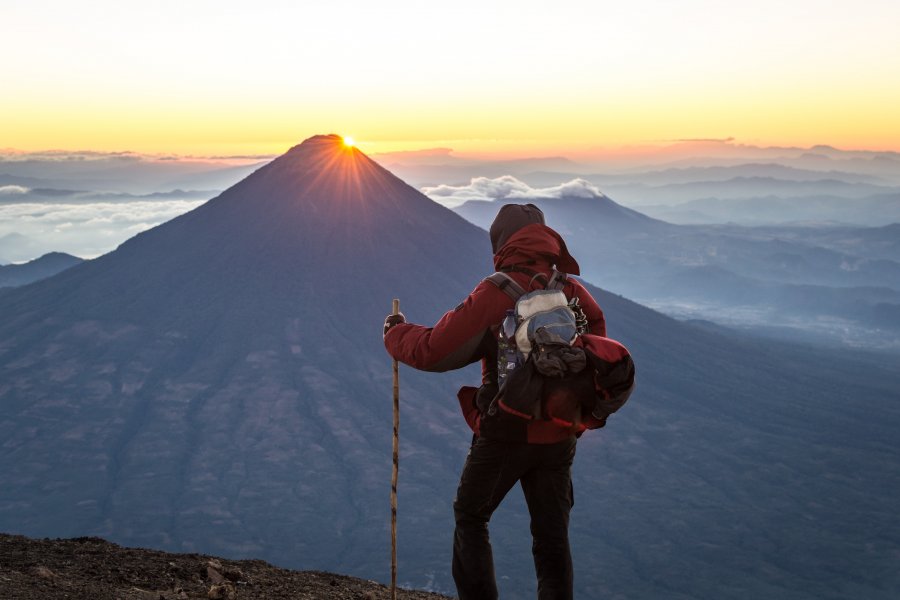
(563, 372)
(542, 316)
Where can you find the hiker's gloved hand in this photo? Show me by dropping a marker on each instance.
(392, 320)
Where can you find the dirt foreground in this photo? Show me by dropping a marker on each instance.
(94, 569)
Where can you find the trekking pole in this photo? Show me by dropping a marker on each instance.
(396, 469)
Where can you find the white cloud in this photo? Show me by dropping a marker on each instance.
(13, 190)
(508, 187)
(85, 230)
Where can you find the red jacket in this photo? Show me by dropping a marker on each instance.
(469, 332)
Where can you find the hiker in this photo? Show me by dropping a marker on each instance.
(537, 453)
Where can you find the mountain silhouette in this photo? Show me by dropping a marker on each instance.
(800, 275)
(220, 380)
(572, 214)
(218, 384)
(34, 270)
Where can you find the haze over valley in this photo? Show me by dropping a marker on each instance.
(796, 243)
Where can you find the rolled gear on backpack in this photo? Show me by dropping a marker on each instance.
(613, 371)
(529, 395)
(553, 357)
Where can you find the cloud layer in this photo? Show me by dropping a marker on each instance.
(508, 187)
(13, 190)
(28, 230)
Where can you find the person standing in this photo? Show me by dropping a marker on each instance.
(538, 454)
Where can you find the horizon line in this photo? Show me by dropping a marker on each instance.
(445, 147)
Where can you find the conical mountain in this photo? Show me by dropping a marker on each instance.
(322, 212)
(218, 383)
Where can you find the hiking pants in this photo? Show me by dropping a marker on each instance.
(492, 469)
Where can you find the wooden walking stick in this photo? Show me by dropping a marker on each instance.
(396, 468)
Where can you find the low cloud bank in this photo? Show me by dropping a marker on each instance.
(508, 187)
(13, 190)
(29, 229)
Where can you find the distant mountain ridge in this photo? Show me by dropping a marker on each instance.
(844, 282)
(764, 170)
(742, 187)
(873, 211)
(121, 171)
(84, 196)
(678, 175)
(599, 212)
(39, 268)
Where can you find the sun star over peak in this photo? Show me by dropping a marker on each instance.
(348, 141)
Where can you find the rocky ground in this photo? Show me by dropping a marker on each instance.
(92, 568)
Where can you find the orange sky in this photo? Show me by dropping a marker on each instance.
(518, 78)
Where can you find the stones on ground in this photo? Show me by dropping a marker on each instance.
(91, 568)
(221, 589)
(214, 576)
(43, 572)
(222, 592)
(136, 593)
(218, 574)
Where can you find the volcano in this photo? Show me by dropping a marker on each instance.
(219, 381)
(218, 384)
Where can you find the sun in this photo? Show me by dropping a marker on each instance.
(348, 141)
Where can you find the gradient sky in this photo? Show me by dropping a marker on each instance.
(205, 77)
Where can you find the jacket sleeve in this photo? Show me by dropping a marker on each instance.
(592, 310)
(456, 340)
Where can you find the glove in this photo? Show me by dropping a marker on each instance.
(392, 320)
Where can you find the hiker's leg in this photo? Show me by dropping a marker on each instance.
(490, 472)
(548, 492)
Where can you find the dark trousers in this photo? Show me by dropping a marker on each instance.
(492, 469)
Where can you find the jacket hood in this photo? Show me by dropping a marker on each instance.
(511, 218)
(536, 244)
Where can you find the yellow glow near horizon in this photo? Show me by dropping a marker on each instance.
(348, 141)
(575, 75)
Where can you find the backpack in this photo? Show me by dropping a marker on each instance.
(562, 374)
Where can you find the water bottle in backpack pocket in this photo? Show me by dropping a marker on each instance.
(507, 353)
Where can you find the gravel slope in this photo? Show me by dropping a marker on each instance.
(92, 568)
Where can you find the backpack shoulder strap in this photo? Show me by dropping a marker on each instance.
(507, 285)
(557, 281)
